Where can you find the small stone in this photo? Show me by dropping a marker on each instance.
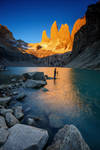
(5, 100)
(18, 112)
(4, 111)
(3, 122)
(21, 96)
(10, 119)
(3, 135)
(15, 93)
(30, 121)
(4, 86)
(45, 90)
(13, 80)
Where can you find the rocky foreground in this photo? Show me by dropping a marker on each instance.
(17, 136)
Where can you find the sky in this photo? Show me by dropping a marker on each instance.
(28, 18)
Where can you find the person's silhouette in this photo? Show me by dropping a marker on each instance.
(55, 72)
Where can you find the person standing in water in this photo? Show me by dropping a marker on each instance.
(55, 72)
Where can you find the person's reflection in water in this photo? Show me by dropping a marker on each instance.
(55, 72)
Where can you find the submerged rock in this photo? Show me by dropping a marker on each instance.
(23, 137)
(11, 120)
(21, 96)
(68, 138)
(3, 122)
(55, 121)
(34, 84)
(18, 112)
(5, 100)
(34, 76)
(3, 135)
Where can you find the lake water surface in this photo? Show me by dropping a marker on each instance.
(73, 98)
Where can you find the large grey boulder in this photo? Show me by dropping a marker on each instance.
(5, 100)
(2, 122)
(18, 112)
(3, 135)
(34, 83)
(68, 138)
(23, 137)
(10, 119)
(34, 76)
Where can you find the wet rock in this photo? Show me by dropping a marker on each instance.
(68, 138)
(5, 100)
(34, 84)
(1, 107)
(55, 121)
(18, 112)
(4, 111)
(48, 78)
(13, 80)
(3, 135)
(10, 119)
(21, 96)
(30, 121)
(3, 87)
(34, 76)
(45, 90)
(2, 122)
(23, 137)
(15, 93)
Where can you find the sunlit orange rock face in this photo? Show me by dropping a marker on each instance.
(60, 41)
(54, 32)
(78, 24)
(45, 37)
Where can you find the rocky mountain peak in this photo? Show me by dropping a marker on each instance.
(54, 31)
(64, 33)
(78, 24)
(5, 33)
(45, 37)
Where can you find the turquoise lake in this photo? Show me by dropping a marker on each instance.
(73, 98)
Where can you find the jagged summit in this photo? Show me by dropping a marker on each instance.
(64, 33)
(5, 33)
(54, 31)
(45, 37)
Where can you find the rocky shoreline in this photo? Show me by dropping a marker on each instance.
(14, 135)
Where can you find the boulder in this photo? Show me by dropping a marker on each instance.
(23, 137)
(3, 111)
(18, 112)
(34, 76)
(68, 138)
(10, 119)
(34, 83)
(3, 135)
(21, 96)
(4, 100)
(2, 122)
